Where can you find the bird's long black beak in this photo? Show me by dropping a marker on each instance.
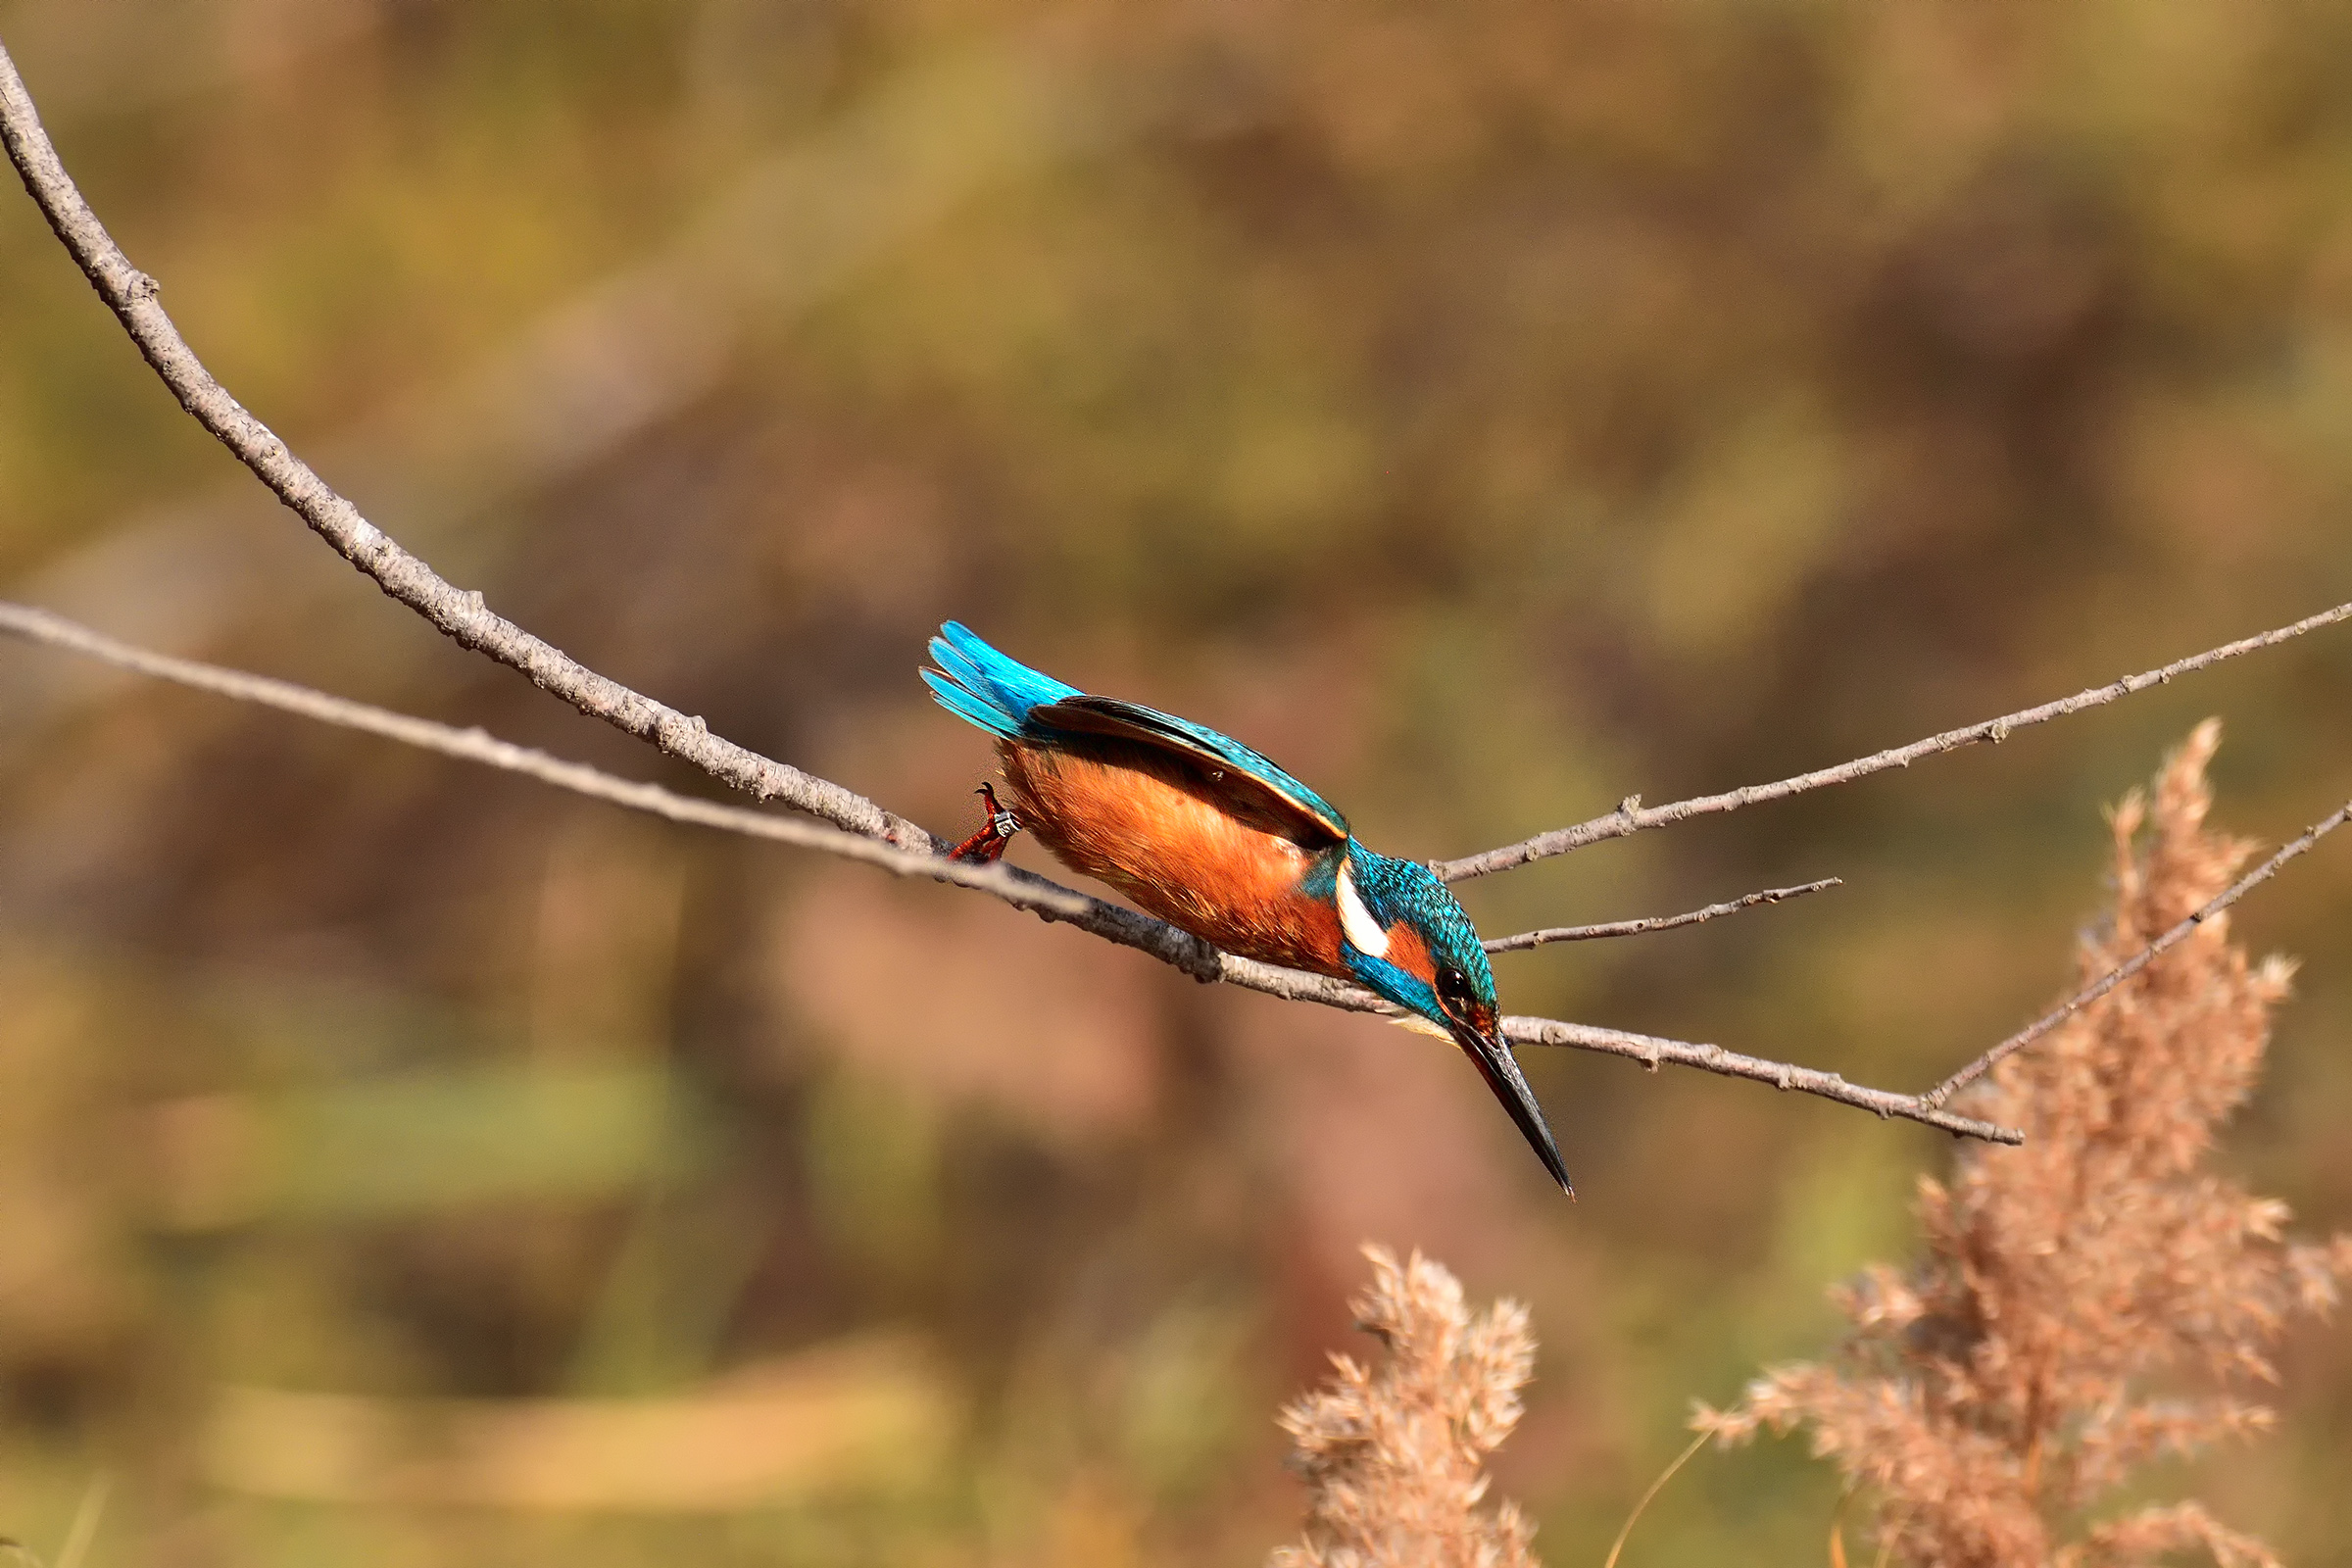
(1500, 1069)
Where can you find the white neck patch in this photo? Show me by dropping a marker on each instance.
(1364, 933)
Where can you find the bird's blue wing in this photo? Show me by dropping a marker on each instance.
(1010, 701)
(1232, 766)
(982, 687)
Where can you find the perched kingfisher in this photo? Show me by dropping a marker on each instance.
(1210, 836)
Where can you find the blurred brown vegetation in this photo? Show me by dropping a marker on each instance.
(2098, 1301)
(1488, 410)
(1393, 1453)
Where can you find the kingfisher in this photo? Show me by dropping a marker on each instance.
(1215, 839)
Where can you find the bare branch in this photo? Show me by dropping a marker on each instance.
(1023, 890)
(2130, 966)
(1652, 1052)
(462, 616)
(1656, 922)
(476, 746)
(1632, 816)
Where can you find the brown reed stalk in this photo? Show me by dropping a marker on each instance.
(2098, 1298)
(1393, 1456)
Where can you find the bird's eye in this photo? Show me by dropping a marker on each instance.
(1453, 986)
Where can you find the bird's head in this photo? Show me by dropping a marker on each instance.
(1405, 936)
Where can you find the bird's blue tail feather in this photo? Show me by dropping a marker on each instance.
(982, 687)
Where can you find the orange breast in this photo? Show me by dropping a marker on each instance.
(1124, 813)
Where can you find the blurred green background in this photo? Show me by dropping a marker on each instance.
(1490, 410)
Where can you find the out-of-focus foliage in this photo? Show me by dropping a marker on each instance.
(1490, 410)
(1393, 1454)
(2098, 1301)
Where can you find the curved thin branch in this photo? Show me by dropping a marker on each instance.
(460, 614)
(476, 746)
(2130, 966)
(1656, 922)
(1653, 1052)
(1632, 816)
(1023, 890)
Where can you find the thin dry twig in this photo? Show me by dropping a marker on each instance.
(86, 1515)
(478, 745)
(460, 614)
(1039, 895)
(1650, 1050)
(1656, 922)
(2130, 966)
(1632, 816)
(1625, 1531)
(1653, 1053)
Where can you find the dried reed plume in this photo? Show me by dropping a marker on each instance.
(1391, 1456)
(2096, 1299)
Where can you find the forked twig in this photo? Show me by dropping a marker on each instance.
(2130, 966)
(1656, 922)
(1632, 816)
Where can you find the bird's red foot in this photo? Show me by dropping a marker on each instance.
(988, 844)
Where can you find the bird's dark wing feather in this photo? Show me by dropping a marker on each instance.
(1230, 768)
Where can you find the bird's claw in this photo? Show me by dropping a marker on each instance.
(988, 844)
